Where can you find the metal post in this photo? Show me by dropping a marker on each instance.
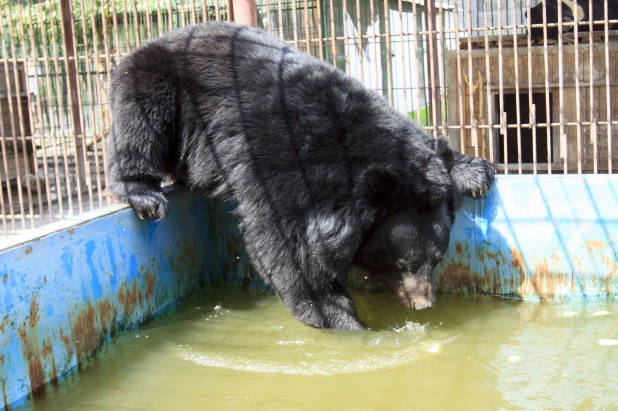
(245, 12)
(432, 48)
(67, 16)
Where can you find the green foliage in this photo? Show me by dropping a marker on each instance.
(25, 20)
(424, 118)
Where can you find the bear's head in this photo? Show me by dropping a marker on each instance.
(404, 249)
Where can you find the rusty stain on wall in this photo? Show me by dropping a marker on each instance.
(101, 286)
(34, 309)
(531, 241)
(35, 365)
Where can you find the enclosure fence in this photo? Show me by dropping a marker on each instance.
(501, 78)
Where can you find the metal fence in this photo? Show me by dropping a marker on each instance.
(533, 97)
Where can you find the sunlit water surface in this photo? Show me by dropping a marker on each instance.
(229, 349)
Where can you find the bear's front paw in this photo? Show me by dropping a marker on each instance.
(485, 173)
(473, 176)
(149, 204)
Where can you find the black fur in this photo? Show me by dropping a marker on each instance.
(404, 250)
(312, 159)
(568, 16)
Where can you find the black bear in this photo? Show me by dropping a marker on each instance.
(313, 161)
(572, 10)
(404, 250)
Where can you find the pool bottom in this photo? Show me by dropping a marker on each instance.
(229, 349)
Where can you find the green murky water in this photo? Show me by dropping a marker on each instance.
(227, 349)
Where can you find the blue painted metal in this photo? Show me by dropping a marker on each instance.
(65, 294)
(537, 238)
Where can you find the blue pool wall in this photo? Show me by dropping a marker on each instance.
(66, 289)
(539, 238)
(74, 284)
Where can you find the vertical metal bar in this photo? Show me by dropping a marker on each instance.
(63, 138)
(375, 39)
(346, 37)
(577, 93)
(20, 116)
(307, 32)
(160, 16)
(30, 119)
(360, 41)
(280, 15)
(230, 10)
(389, 53)
(460, 92)
(473, 120)
(517, 103)
(202, 5)
(320, 32)
(595, 141)
(563, 148)
(193, 20)
(170, 14)
(99, 96)
(218, 12)
(531, 106)
(403, 58)
(115, 34)
(53, 137)
(332, 33)
(74, 99)
(92, 111)
(39, 111)
(441, 70)
(415, 63)
(490, 110)
(318, 21)
(107, 119)
(125, 24)
(245, 12)
(181, 15)
(503, 119)
(593, 128)
(547, 102)
(608, 89)
(295, 23)
(5, 224)
(5, 162)
(430, 15)
(12, 113)
(136, 25)
(146, 17)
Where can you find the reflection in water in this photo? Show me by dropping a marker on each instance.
(563, 360)
(226, 349)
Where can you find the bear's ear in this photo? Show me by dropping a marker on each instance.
(379, 186)
(444, 152)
